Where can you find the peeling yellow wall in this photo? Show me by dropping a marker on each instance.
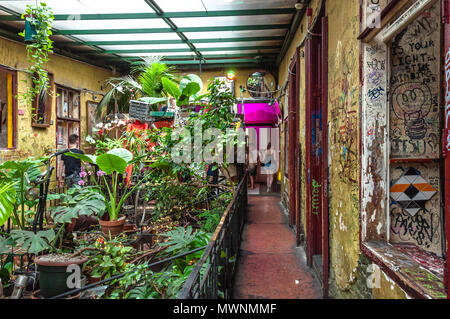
(385, 288)
(70, 73)
(343, 131)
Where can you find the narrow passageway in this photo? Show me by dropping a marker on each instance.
(270, 265)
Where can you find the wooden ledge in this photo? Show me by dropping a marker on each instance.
(413, 278)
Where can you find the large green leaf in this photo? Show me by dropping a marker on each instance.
(79, 201)
(153, 100)
(7, 201)
(189, 90)
(33, 243)
(124, 154)
(64, 214)
(110, 163)
(84, 157)
(171, 87)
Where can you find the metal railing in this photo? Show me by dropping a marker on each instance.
(213, 276)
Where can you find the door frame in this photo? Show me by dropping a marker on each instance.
(317, 119)
(293, 154)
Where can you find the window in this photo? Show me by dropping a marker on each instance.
(91, 111)
(67, 119)
(402, 175)
(42, 106)
(415, 134)
(7, 111)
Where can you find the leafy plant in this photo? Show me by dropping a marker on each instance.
(41, 18)
(78, 202)
(112, 163)
(7, 200)
(21, 173)
(113, 259)
(33, 243)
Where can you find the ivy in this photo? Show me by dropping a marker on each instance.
(40, 18)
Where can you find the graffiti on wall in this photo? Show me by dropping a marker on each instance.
(415, 206)
(344, 116)
(447, 98)
(414, 108)
(315, 202)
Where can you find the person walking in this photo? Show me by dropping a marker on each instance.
(268, 165)
(72, 165)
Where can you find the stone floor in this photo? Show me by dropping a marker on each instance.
(270, 265)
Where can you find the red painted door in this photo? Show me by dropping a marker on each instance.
(314, 150)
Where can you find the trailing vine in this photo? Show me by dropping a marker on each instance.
(40, 18)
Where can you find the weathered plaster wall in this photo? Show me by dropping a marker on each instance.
(77, 75)
(343, 118)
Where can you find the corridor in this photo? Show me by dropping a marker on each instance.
(270, 265)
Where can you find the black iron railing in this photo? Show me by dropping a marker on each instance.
(213, 276)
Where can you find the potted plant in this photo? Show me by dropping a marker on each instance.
(37, 33)
(111, 166)
(52, 266)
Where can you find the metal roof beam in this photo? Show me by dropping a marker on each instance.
(169, 15)
(206, 56)
(186, 50)
(168, 30)
(152, 4)
(140, 42)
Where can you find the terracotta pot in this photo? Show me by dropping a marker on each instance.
(112, 228)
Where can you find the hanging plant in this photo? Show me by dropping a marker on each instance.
(37, 33)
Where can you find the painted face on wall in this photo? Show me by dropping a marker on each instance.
(411, 103)
(412, 100)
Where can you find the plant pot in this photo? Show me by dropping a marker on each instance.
(112, 228)
(30, 32)
(37, 295)
(53, 273)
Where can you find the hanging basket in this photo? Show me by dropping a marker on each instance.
(30, 32)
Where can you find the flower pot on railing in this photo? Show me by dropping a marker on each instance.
(114, 227)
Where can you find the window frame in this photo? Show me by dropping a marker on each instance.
(375, 243)
(66, 120)
(13, 139)
(48, 105)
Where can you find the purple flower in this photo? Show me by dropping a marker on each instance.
(83, 174)
(81, 183)
(101, 173)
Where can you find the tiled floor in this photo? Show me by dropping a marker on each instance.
(270, 265)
